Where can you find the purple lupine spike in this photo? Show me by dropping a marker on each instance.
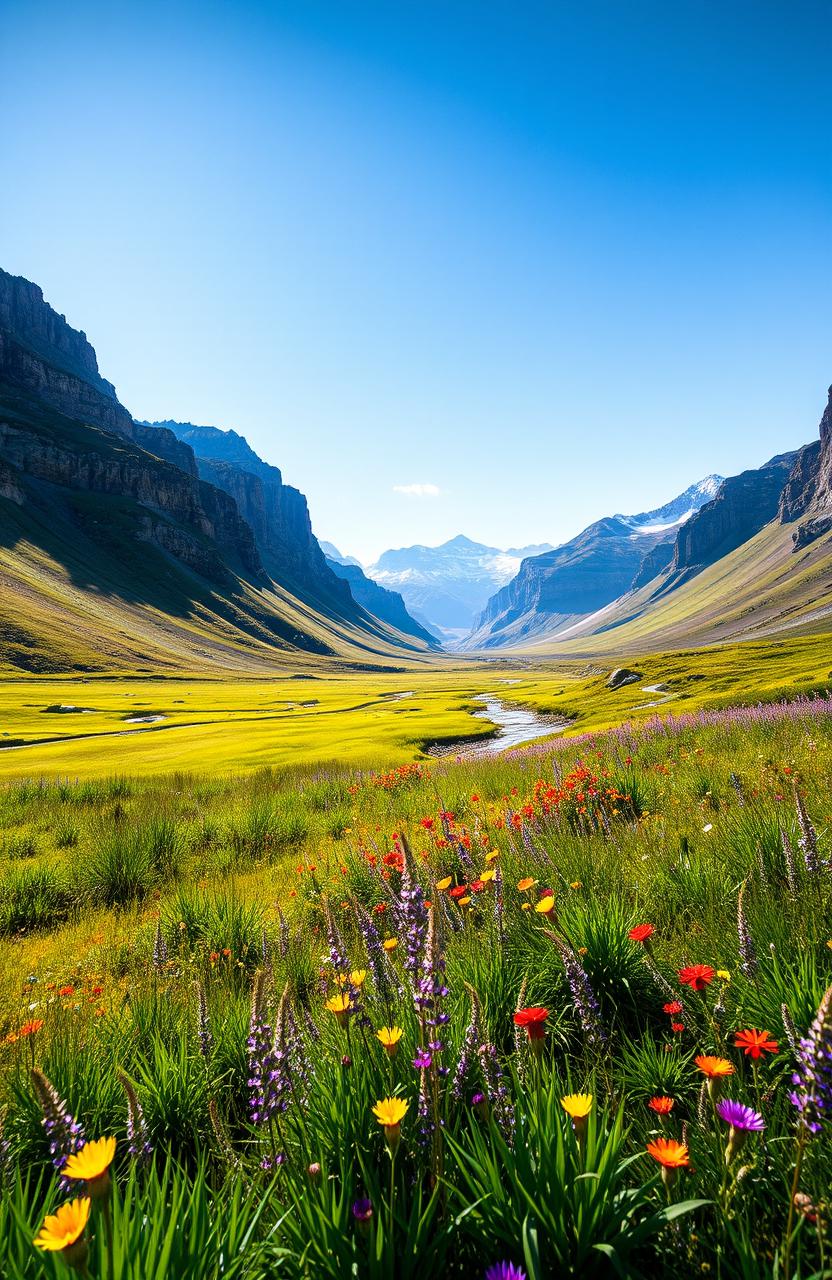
(583, 997)
(812, 1094)
(265, 1063)
(808, 841)
(748, 952)
(431, 991)
(337, 950)
(426, 1127)
(470, 1040)
(788, 858)
(138, 1138)
(66, 1135)
(385, 978)
(412, 918)
(496, 1089)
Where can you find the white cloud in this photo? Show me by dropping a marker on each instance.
(417, 490)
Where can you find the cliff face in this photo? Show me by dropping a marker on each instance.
(61, 424)
(808, 490)
(277, 513)
(742, 507)
(384, 604)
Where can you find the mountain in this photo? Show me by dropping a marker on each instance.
(448, 585)
(116, 554)
(754, 562)
(384, 604)
(556, 589)
(334, 555)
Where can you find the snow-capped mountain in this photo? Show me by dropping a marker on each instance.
(582, 575)
(675, 512)
(449, 585)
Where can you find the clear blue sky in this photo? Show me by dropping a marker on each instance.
(554, 260)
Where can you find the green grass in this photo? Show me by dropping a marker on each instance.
(137, 943)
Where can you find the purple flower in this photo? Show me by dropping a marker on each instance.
(477, 1099)
(66, 1136)
(504, 1271)
(583, 997)
(748, 953)
(362, 1210)
(812, 1094)
(739, 1116)
(471, 1040)
(423, 1060)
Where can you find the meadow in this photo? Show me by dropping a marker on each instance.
(565, 1011)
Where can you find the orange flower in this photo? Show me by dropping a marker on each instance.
(526, 883)
(714, 1068)
(661, 1105)
(755, 1043)
(29, 1028)
(669, 1153)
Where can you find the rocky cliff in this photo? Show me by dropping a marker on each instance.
(62, 424)
(384, 604)
(277, 513)
(807, 495)
(742, 507)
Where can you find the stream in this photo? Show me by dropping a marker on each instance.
(515, 725)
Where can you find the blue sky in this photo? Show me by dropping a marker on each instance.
(551, 260)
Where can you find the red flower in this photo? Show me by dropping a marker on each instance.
(661, 1105)
(641, 932)
(677, 1026)
(66, 991)
(427, 823)
(534, 1020)
(458, 892)
(697, 976)
(675, 1006)
(380, 908)
(755, 1043)
(477, 886)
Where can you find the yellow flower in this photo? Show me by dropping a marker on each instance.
(487, 876)
(357, 977)
(526, 883)
(724, 974)
(577, 1105)
(442, 885)
(546, 905)
(390, 1112)
(576, 884)
(91, 1164)
(390, 944)
(495, 853)
(463, 902)
(525, 906)
(390, 1037)
(340, 1006)
(64, 1229)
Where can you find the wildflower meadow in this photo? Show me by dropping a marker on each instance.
(561, 1012)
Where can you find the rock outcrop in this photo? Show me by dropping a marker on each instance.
(807, 495)
(742, 507)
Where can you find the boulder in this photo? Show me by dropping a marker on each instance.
(623, 676)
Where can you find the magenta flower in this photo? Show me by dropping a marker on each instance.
(740, 1117)
(505, 1271)
(423, 1060)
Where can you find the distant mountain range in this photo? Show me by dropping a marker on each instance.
(134, 546)
(551, 590)
(447, 586)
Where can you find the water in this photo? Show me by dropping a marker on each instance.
(515, 725)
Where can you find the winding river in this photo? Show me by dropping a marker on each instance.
(515, 725)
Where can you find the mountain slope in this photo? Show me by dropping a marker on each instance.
(778, 580)
(114, 553)
(447, 585)
(552, 591)
(384, 604)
